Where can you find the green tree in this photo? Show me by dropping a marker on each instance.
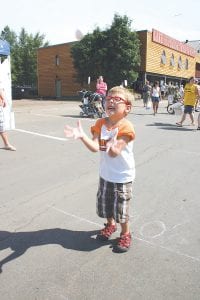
(123, 51)
(113, 53)
(23, 55)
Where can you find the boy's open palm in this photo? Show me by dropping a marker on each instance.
(74, 132)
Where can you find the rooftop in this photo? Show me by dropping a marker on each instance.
(194, 44)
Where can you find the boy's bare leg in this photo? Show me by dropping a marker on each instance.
(111, 221)
(125, 228)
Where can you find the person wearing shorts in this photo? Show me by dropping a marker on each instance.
(190, 97)
(113, 136)
(3, 134)
(155, 97)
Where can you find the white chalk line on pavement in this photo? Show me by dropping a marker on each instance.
(49, 115)
(63, 116)
(187, 152)
(42, 135)
(74, 216)
(135, 237)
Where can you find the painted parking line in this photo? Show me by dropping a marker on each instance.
(42, 135)
(61, 116)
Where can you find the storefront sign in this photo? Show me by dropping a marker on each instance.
(167, 41)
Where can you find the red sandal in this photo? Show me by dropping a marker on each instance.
(106, 232)
(124, 243)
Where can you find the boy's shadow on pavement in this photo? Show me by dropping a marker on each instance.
(19, 242)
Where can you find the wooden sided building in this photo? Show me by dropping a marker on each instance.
(165, 59)
(162, 58)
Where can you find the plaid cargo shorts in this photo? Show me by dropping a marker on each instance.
(113, 200)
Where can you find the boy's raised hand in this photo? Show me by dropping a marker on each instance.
(74, 132)
(112, 142)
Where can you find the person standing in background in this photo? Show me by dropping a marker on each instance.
(198, 98)
(190, 98)
(146, 93)
(101, 88)
(170, 93)
(3, 133)
(198, 121)
(156, 97)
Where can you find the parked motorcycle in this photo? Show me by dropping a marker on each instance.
(91, 104)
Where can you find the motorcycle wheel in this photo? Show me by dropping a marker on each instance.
(170, 109)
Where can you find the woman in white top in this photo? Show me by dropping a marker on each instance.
(155, 96)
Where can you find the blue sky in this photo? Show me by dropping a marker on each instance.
(59, 20)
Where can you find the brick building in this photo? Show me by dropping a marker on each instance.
(162, 58)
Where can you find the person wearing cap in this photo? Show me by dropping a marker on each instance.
(3, 133)
(189, 99)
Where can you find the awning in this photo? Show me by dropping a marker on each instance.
(4, 48)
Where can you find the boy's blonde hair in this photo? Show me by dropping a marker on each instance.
(128, 95)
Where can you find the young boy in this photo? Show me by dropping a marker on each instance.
(113, 136)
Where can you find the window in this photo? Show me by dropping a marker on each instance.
(57, 60)
(172, 62)
(180, 63)
(186, 64)
(163, 58)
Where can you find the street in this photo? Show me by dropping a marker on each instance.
(48, 216)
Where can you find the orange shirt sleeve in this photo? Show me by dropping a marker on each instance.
(97, 126)
(127, 129)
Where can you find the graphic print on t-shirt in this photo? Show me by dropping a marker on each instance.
(106, 135)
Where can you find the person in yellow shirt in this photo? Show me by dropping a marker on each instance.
(190, 97)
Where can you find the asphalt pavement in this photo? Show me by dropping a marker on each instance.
(48, 220)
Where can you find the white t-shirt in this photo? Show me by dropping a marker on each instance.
(156, 92)
(119, 169)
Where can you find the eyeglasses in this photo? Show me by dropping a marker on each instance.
(116, 99)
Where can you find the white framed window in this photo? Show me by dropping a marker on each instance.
(186, 64)
(180, 65)
(163, 58)
(57, 60)
(172, 62)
